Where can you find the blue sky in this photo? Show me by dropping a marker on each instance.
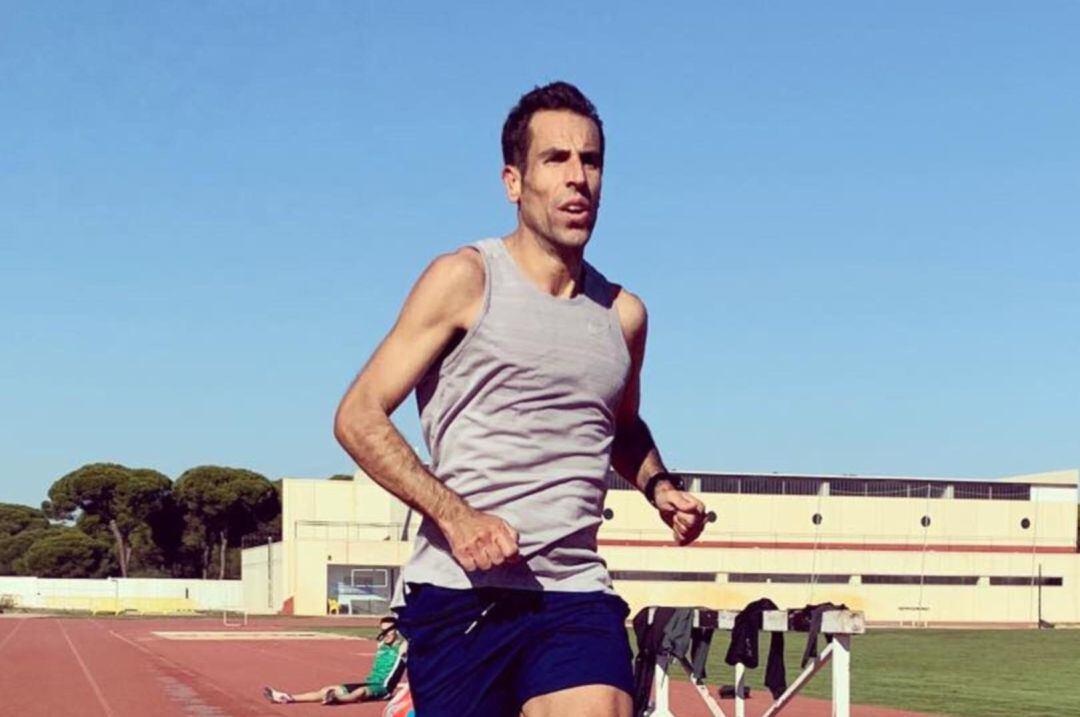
(855, 224)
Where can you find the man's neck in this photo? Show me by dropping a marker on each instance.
(554, 270)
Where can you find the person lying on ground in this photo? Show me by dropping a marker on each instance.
(385, 672)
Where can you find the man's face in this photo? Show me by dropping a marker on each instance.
(389, 634)
(559, 193)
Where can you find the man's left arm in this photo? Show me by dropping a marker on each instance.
(634, 454)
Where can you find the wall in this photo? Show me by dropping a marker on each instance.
(313, 556)
(263, 582)
(34, 593)
(981, 602)
(320, 520)
(356, 523)
(766, 519)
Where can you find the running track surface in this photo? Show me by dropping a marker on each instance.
(114, 667)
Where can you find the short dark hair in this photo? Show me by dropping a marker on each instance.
(553, 96)
(386, 624)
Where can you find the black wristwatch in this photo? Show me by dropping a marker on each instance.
(650, 485)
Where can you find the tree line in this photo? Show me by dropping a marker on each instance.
(106, 519)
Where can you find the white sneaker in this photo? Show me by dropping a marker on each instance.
(279, 698)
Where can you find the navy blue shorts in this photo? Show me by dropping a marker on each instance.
(528, 643)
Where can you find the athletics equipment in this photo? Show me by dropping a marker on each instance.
(840, 624)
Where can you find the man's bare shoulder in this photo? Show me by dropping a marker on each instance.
(452, 285)
(632, 313)
(461, 271)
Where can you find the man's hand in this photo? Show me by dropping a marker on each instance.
(684, 513)
(480, 541)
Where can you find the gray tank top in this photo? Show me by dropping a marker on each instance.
(519, 420)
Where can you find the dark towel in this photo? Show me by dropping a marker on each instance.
(744, 646)
(809, 618)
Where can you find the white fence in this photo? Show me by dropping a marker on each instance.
(43, 593)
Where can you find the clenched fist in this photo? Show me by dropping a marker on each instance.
(480, 541)
(684, 513)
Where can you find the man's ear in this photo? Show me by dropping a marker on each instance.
(511, 177)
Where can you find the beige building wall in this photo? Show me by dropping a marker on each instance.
(758, 542)
(772, 519)
(979, 603)
(263, 571)
(335, 522)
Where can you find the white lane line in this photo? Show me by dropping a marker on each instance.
(86, 671)
(11, 634)
(183, 670)
(248, 635)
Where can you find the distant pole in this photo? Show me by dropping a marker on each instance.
(1040, 596)
(269, 572)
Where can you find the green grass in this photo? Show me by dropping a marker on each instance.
(368, 632)
(963, 673)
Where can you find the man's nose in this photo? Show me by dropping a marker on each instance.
(576, 172)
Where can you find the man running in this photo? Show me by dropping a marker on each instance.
(386, 669)
(526, 365)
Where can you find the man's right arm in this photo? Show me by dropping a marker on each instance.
(445, 301)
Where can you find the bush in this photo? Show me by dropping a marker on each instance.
(66, 553)
(15, 546)
(14, 519)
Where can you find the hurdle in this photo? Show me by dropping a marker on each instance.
(841, 625)
(241, 617)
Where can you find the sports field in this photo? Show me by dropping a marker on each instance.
(179, 667)
(965, 673)
(961, 673)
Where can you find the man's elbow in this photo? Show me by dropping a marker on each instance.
(356, 418)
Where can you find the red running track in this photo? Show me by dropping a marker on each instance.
(115, 667)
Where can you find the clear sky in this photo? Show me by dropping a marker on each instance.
(855, 224)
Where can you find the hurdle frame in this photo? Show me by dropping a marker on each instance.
(241, 613)
(841, 625)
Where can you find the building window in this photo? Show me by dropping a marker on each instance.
(802, 486)
(920, 579)
(719, 484)
(1009, 491)
(1027, 581)
(613, 481)
(925, 522)
(661, 576)
(886, 488)
(816, 519)
(972, 491)
(788, 578)
(360, 589)
(847, 487)
(1025, 523)
(899, 489)
(761, 485)
(758, 485)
